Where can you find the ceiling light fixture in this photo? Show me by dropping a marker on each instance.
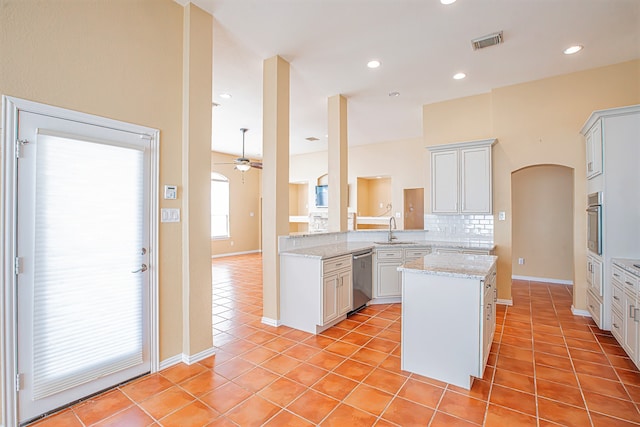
(373, 63)
(447, 1)
(243, 167)
(459, 76)
(225, 95)
(572, 49)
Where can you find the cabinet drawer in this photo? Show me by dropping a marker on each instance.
(415, 253)
(476, 251)
(337, 263)
(389, 254)
(447, 251)
(616, 327)
(616, 297)
(630, 283)
(617, 274)
(595, 308)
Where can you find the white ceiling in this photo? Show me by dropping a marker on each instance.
(421, 44)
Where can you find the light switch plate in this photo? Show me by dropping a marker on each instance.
(501, 216)
(169, 215)
(170, 192)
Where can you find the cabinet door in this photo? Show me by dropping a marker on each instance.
(444, 181)
(594, 275)
(475, 177)
(345, 292)
(329, 297)
(630, 325)
(389, 280)
(594, 150)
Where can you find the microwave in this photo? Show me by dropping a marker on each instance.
(594, 223)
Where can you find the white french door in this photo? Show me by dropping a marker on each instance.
(83, 260)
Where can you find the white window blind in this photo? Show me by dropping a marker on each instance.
(88, 239)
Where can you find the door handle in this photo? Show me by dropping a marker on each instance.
(142, 269)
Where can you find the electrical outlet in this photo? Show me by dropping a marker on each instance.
(521, 261)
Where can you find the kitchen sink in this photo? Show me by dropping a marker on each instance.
(395, 242)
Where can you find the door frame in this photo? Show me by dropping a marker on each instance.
(8, 217)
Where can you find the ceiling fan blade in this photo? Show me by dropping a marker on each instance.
(225, 163)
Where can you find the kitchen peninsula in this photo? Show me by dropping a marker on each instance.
(448, 316)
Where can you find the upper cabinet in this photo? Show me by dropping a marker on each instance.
(461, 178)
(593, 138)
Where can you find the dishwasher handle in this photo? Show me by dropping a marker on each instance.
(365, 255)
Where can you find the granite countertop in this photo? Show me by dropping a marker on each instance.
(454, 265)
(628, 265)
(345, 248)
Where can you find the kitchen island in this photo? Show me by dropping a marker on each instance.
(448, 316)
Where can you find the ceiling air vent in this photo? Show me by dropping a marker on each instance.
(488, 40)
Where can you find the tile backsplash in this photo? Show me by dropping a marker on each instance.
(459, 226)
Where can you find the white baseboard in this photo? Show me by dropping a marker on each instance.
(503, 301)
(185, 358)
(578, 312)
(236, 253)
(543, 280)
(271, 322)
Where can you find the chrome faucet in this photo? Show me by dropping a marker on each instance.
(391, 236)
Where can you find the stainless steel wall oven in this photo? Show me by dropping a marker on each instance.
(594, 223)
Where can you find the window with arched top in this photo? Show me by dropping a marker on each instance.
(219, 206)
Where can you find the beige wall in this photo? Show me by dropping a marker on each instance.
(244, 199)
(123, 60)
(542, 232)
(536, 123)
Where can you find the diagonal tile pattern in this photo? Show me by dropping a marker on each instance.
(547, 368)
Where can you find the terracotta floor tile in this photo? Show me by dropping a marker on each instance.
(600, 420)
(557, 375)
(498, 416)
(260, 337)
(342, 348)
(622, 362)
(166, 402)
(589, 345)
(298, 335)
(589, 356)
(382, 345)
(611, 406)
(348, 324)
(131, 417)
(319, 341)
(181, 372)
(195, 414)
(406, 413)
(146, 387)
(464, 407)
(287, 419)
(326, 360)
(480, 389)
(627, 376)
(225, 397)
(301, 352)
(603, 386)
(306, 374)
(203, 383)
(282, 391)
(255, 379)
(561, 413)
(217, 359)
(423, 393)
(385, 380)
(353, 369)
(100, 407)
(65, 418)
(254, 411)
(634, 392)
(595, 369)
(561, 393)
(515, 365)
(393, 364)
(258, 355)
(368, 356)
(514, 380)
(368, 329)
(356, 338)
(513, 352)
(556, 350)
(281, 364)
(442, 419)
(335, 333)
(516, 341)
(222, 421)
(335, 386)
(238, 347)
(345, 415)
(553, 361)
(280, 344)
(368, 399)
(513, 399)
(313, 406)
(551, 339)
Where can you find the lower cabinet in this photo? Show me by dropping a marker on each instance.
(315, 293)
(625, 311)
(388, 283)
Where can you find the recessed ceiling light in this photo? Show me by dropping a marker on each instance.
(394, 94)
(447, 1)
(225, 95)
(459, 76)
(373, 63)
(572, 49)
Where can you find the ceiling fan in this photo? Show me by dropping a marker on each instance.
(242, 163)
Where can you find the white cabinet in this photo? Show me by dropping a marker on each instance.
(593, 140)
(314, 293)
(387, 281)
(461, 180)
(594, 274)
(625, 310)
(447, 250)
(448, 323)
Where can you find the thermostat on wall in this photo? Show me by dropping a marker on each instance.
(170, 192)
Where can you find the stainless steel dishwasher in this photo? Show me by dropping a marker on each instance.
(362, 279)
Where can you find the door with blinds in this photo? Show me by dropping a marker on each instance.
(83, 297)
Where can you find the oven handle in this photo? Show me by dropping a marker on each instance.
(365, 255)
(593, 208)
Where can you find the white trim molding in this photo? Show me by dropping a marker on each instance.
(271, 322)
(195, 358)
(503, 301)
(579, 312)
(543, 280)
(255, 251)
(173, 360)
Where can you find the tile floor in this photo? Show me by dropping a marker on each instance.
(547, 368)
